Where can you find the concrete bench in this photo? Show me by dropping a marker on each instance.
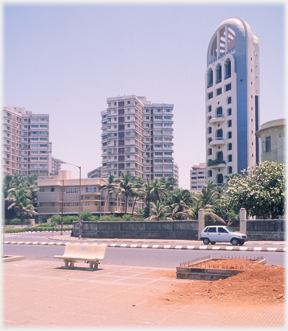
(91, 253)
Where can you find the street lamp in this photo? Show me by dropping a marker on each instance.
(80, 223)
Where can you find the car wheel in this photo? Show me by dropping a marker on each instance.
(213, 242)
(206, 241)
(234, 241)
(241, 243)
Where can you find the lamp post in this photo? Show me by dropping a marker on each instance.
(80, 223)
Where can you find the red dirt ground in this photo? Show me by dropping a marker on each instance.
(258, 284)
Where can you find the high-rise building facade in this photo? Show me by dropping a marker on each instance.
(197, 177)
(232, 100)
(137, 136)
(26, 148)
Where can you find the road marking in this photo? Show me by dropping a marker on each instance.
(44, 243)
(123, 245)
(133, 245)
(178, 247)
(257, 248)
(35, 243)
(144, 246)
(167, 246)
(155, 246)
(51, 243)
(20, 242)
(202, 247)
(113, 245)
(215, 247)
(13, 242)
(27, 242)
(271, 249)
(243, 248)
(229, 248)
(58, 244)
(190, 247)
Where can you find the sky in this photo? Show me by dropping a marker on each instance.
(66, 59)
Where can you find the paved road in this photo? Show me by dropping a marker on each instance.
(158, 258)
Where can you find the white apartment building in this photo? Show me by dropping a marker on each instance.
(56, 165)
(96, 173)
(137, 136)
(197, 177)
(26, 148)
(232, 100)
(176, 173)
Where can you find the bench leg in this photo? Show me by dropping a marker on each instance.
(69, 263)
(93, 265)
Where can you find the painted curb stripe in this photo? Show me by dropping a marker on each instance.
(144, 246)
(154, 246)
(203, 247)
(272, 249)
(215, 247)
(178, 247)
(243, 248)
(133, 245)
(112, 245)
(123, 245)
(190, 247)
(167, 246)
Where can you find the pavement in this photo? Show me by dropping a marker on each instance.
(39, 293)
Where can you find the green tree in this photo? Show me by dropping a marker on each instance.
(125, 187)
(180, 203)
(158, 211)
(20, 201)
(260, 190)
(110, 185)
(137, 191)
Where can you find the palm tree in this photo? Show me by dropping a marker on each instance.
(180, 203)
(206, 201)
(158, 211)
(137, 191)
(19, 201)
(125, 187)
(153, 191)
(111, 185)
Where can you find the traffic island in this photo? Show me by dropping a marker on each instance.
(10, 258)
(215, 268)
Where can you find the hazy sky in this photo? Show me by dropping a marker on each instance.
(65, 60)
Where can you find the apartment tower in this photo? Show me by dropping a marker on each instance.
(232, 100)
(26, 149)
(137, 136)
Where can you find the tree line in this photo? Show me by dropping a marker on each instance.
(260, 189)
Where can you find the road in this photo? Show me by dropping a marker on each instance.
(158, 258)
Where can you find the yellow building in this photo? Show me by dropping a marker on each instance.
(60, 194)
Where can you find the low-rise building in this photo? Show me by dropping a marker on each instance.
(272, 135)
(60, 195)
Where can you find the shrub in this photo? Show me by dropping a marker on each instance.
(107, 218)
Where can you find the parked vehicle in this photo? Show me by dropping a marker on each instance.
(213, 234)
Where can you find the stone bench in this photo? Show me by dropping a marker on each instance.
(91, 253)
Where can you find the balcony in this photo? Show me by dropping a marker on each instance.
(217, 119)
(217, 141)
(216, 163)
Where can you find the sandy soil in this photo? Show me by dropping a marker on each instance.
(258, 284)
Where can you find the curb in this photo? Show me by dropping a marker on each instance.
(10, 258)
(184, 247)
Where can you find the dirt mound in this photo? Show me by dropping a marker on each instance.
(258, 284)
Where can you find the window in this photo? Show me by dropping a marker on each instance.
(229, 170)
(219, 134)
(220, 179)
(229, 135)
(212, 229)
(222, 230)
(219, 111)
(229, 100)
(209, 129)
(158, 117)
(227, 87)
(52, 189)
(209, 151)
(219, 91)
(41, 189)
(52, 204)
(210, 78)
(229, 112)
(219, 156)
(229, 124)
(210, 95)
(209, 108)
(227, 68)
(266, 144)
(229, 146)
(229, 158)
(218, 73)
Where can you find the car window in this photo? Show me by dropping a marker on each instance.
(206, 229)
(222, 230)
(229, 229)
(212, 229)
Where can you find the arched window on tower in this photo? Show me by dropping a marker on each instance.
(218, 73)
(219, 156)
(210, 78)
(219, 134)
(227, 68)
